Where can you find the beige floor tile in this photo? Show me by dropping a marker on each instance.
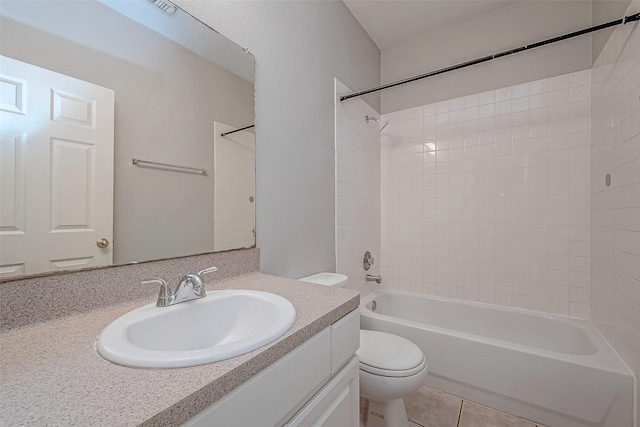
(474, 415)
(412, 424)
(432, 408)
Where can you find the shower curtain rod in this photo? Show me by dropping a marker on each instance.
(237, 130)
(630, 18)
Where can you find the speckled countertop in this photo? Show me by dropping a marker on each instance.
(50, 373)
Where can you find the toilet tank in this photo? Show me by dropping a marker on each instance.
(327, 279)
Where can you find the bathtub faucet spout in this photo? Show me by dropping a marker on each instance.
(372, 278)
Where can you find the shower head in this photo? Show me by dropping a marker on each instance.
(381, 124)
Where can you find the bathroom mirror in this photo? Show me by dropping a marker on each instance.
(158, 84)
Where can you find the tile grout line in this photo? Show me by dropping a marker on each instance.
(460, 413)
(528, 422)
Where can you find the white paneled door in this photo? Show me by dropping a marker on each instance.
(56, 176)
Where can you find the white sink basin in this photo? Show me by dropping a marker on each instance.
(222, 325)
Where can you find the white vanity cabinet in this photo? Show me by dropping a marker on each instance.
(315, 384)
(336, 404)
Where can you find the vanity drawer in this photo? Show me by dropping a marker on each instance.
(345, 340)
(268, 398)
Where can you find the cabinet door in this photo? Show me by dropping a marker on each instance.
(268, 397)
(336, 404)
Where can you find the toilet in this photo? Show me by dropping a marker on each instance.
(390, 367)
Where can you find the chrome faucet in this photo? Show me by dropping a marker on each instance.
(189, 287)
(372, 278)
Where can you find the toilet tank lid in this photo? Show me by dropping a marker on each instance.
(327, 279)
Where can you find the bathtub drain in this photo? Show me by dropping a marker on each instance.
(373, 305)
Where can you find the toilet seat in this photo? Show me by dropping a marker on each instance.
(389, 355)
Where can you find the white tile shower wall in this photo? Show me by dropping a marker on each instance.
(357, 189)
(615, 210)
(485, 197)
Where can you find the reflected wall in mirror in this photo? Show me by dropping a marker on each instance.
(88, 86)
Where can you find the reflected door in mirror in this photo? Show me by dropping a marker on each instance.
(235, 185)
(57, 171)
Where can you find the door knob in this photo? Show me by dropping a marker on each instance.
(102, 243)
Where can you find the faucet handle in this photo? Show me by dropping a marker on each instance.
(368, 261)
(207, 271)
(196, 282)
(165, 296)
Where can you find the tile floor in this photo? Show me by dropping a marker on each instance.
(428, 407)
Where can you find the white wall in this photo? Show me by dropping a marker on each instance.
(300, 47)
(485, 197)
(615, 210)
(512, 26)
(357, 190)
(605, 11)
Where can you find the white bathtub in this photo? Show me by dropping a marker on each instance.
(550, 369)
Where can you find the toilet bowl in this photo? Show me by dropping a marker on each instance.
(390, 367)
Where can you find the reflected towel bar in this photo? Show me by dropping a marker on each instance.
(185, 168)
